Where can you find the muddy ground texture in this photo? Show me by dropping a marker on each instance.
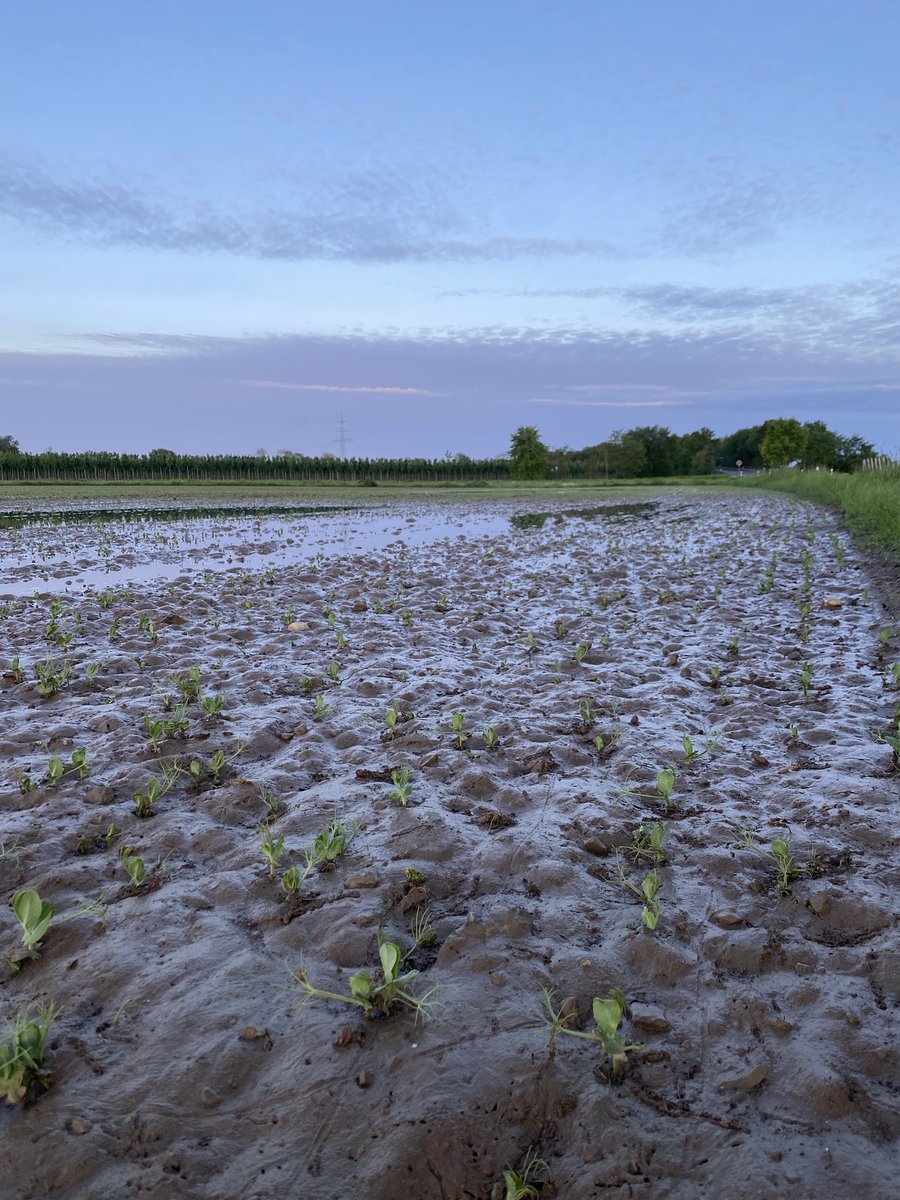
(182, 1062)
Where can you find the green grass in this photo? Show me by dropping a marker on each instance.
(868, 502)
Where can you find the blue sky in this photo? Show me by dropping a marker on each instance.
(223, 225)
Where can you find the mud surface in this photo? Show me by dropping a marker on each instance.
(181, 1063)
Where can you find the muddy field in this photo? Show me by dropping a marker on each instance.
(556, 838)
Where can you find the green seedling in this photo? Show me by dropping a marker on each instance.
(779, 852)
(582, 651)
(36, 915)
(530, 643)
(646, 892)
(156, 787)
(421, 928)
(291, 880)
(606, 747)
(92, 670)
(560, 629)
(320, 708)
(272, 848)
(665, 784)
(329, 845)
(333, 672)
(805, 680)
(14, 671)
(489, 736)
(691, 753)
(607, 1013)
(25, 782)
(134, 866)
(145, 624)
(56, 769)
(268, 798)
(157, 732)
(400, 779)
(79, 766)
(456, 724)
(213, 705)
(413, 878)
(587, 712)
(443, 605)
(188, 684)
(114, 629)
(520, 1185)
(390, 720)
(389, 990)
(217, 764)
(51, 677)
(22, 1057)
(647, 843)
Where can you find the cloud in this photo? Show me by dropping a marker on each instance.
(564, 401)
(358, 218)
(457, 389)
(333, 387)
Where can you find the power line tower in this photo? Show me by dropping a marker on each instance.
(342, 441)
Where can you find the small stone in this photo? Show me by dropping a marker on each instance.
(251, 1034)
(832, 602)
(672, 660)
(414, 898)
(802, 968)
(782, 1026)
(360, 605)
(365, 879)
(364, 1079)
(498, 979)
(209, 1098)
(594, 847)
(297, 626)
(745, 1083)
(634, 720)
(99, 795)
(79, 1127)
(649, 1018)
(818, 902)
(726, 918)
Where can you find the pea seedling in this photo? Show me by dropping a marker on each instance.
(607, 1013)
(22, 1070)
(374, 996)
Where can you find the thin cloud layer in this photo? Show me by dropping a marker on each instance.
(345, 222)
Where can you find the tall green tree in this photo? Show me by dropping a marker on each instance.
(8, 444)
(783, 441)
(821, 444)
(528, 454)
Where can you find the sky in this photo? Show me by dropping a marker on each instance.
(224, 227)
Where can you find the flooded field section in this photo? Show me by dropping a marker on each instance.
(395, 844)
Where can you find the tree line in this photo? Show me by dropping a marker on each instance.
(652, 451)
(649, 451)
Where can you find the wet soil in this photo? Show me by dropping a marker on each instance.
(183, 1064)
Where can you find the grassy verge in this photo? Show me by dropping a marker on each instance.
(868, 502)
